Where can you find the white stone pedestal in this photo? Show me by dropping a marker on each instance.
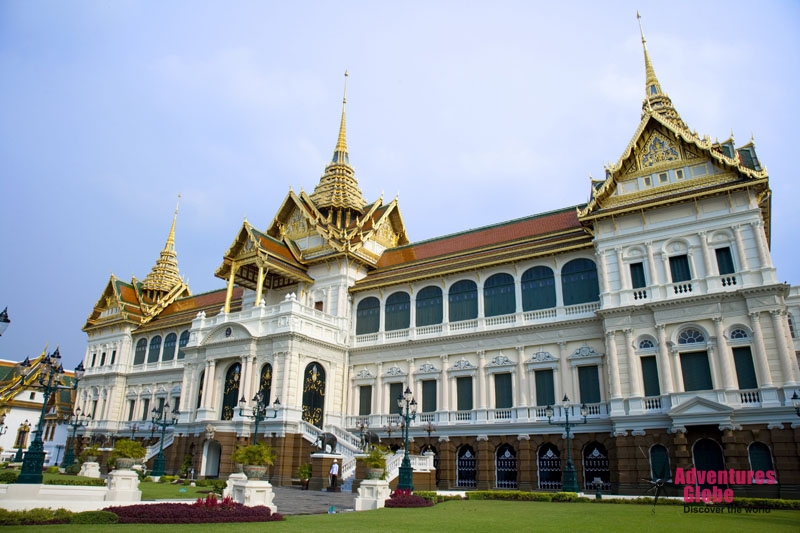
(123, 486)
(254, 492)
(228, 490)
(372, 494)
(90, 469)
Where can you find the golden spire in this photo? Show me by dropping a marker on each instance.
(655, 99)
(164, 275)
(338, 187)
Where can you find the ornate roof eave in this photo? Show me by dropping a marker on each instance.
(111, 291)
(612, 171)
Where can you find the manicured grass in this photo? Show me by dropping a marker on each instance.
(466, 516)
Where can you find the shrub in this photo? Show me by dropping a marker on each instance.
(94, 517)
(255, 454)
(204, 510)
(565, 496)
(402, 499)
(438, 498)
(79, 482)
(34, 517)
(52, 470)
(73, 469)
(128, 448)
(9, 476)
(168, 479)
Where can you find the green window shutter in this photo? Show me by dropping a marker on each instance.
(724, 261)
(499, 296)
(679, 268)
(589, 383)
(365, 400)
(659, 463)
(368, 316)
(545, 391)
(429, 396)
(696, 371)
(463, 301)
(650, 376)
(395, 390)
(579, 282)
(745, 371)
(538, 289)
(464, 392)
(138, 355)
(760, 457)
(398, 311)
(503, 393)
(429, 306)
(637, 276)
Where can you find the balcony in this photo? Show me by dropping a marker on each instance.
(478, 324)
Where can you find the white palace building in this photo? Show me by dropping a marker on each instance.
(656, 305)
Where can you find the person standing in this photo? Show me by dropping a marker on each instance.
(334, 474)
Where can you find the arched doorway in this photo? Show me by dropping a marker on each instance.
(230, 398)
(549, 463)
(211, 455)
(314, 394)
(505, 467)
(595, 467)
(707, 455)
(466, 464)
(428, 448)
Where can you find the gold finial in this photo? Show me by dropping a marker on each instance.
(165, 275)
(340, 152)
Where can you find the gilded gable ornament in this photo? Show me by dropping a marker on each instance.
(658, 150)
(297, 225)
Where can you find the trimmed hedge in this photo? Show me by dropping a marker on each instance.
(80, 482)
(34, 517)
(94, 517)
(9, 476)
(437, 498)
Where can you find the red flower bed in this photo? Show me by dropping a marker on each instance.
(404, 498)
(208, 510)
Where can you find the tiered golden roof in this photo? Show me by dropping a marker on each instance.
(164, 276)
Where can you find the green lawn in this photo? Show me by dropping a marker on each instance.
(155, 491)
(491, 516)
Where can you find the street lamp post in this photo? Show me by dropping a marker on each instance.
(408, 412)
(258, 411)
(160, 418)
(25, 428)
(75, 420)
(49, 382)
(570, 476)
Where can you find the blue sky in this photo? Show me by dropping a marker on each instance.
(473, 112)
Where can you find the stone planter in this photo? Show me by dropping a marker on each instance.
(374, 473)
(254, 471)
(125, 463)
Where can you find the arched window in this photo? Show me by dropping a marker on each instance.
(466, 463)
(169, 347)
(429, 306)
(691, 336)
(659, 463)
(647, 344)
(463, 301)
(265, 383)
(549, 463)
(182, 344)
(230, 397)
(368, 316)
(707, 456)
(760, 458)
(739, 334)
(505, 462)
(538, 289)
(155, 349)
(579, 282)
(595, 467)
(498, 295)
(141, 350)
(398, 311)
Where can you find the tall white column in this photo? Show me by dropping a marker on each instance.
(481, 379)
(706, 255)
(762, 364)
(623, 278)
(787, 358)
(603, 271)
(737, 232)
(563, 368)
(761, 242)
(522, 378)
(444, 404)
(725, 355)
(379, 390)
(651, 265)
(634, 375)
(613, 365)
(665, 370)
(208, 385)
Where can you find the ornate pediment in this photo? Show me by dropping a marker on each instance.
(658, 149)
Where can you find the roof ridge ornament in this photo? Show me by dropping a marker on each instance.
(165, 275)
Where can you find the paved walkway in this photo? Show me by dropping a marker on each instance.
(293, 501)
